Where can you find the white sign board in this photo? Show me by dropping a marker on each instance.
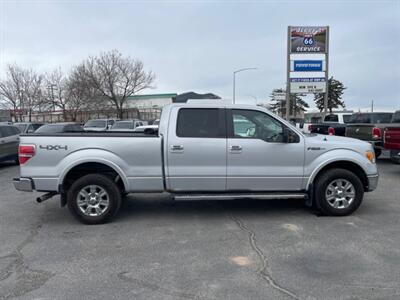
(308, 87)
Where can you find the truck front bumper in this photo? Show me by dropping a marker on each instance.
(372, 182)
(23, 184)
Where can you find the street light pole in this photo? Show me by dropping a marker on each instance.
(234, 80)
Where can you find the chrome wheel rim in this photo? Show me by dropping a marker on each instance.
(340, 193)
(93, 200)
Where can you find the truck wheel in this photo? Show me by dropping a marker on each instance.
(94, 199)
(338, 192)
(395, 156)
(378, 152)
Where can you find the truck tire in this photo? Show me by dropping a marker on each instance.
(394, 156)
(378, 152)
(338, 192)
(94, 199)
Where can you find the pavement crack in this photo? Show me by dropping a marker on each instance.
(26, 279)
(263, 271)
(157, 288)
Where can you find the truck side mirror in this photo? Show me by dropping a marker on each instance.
(289, 136)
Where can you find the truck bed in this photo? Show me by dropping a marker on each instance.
(137, 157)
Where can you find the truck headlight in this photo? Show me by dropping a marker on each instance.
(370, 155)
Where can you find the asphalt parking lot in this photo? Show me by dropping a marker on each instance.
(157, 249)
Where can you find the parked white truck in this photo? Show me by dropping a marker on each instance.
(201, 151)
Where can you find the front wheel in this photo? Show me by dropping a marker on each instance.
(94, 199)
(338, 192)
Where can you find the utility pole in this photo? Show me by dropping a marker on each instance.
(326, 72)
(288, 77)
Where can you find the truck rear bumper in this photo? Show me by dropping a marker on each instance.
(372, 182)
(23, 184)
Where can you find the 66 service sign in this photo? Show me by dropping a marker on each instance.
(308, 39)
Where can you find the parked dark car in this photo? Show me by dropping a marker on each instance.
(369, 127)
(59, 128)
(9, 140)
(333, 124)
(28, 127)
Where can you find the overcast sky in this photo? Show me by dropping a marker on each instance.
(195, 45)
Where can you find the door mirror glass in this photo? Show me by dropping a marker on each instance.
(289, 136)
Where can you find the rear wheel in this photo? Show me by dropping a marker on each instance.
(378, 152)
(94, 199)
(338, 192)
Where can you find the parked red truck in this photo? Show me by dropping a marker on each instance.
(392, 143)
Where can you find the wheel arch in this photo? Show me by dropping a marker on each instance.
(82, 168)
(349, 165)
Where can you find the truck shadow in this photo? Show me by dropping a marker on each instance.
(134, 207)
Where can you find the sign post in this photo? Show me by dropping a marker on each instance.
(307, 62)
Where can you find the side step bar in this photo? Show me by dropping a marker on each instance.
(268, 196)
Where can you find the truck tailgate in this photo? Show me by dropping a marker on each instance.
(360, 131)
(392, 138)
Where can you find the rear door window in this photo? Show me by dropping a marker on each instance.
(200, 123)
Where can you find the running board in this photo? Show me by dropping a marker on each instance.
(268, 196)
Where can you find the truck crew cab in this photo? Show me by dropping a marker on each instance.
(207, 150)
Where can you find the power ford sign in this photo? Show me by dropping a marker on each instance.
(307, 65)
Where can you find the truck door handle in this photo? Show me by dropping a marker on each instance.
(235, 149)
(177, 148)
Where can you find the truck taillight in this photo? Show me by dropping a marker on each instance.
(376, 133)
(331, 131)
(25, 153)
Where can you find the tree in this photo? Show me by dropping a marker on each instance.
(79, 94)
(55, 90)
(115, 77)
(335, 92)
(297, 104)
(22, 89)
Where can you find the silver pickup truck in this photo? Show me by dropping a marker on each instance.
(201, 151)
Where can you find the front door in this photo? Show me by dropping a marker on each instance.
(196, 150)
(259, 158)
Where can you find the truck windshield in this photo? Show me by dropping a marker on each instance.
(96, 123)
(346, 118)
(21, 127)
(51, 128)
(331, 118)
(396, 117)
(369, 118)
(123, 125)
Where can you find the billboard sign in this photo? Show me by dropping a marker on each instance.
(307, 65)
(308, 39)
(307, 87)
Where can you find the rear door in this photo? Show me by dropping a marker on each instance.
(196, 149)
(258, 158)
